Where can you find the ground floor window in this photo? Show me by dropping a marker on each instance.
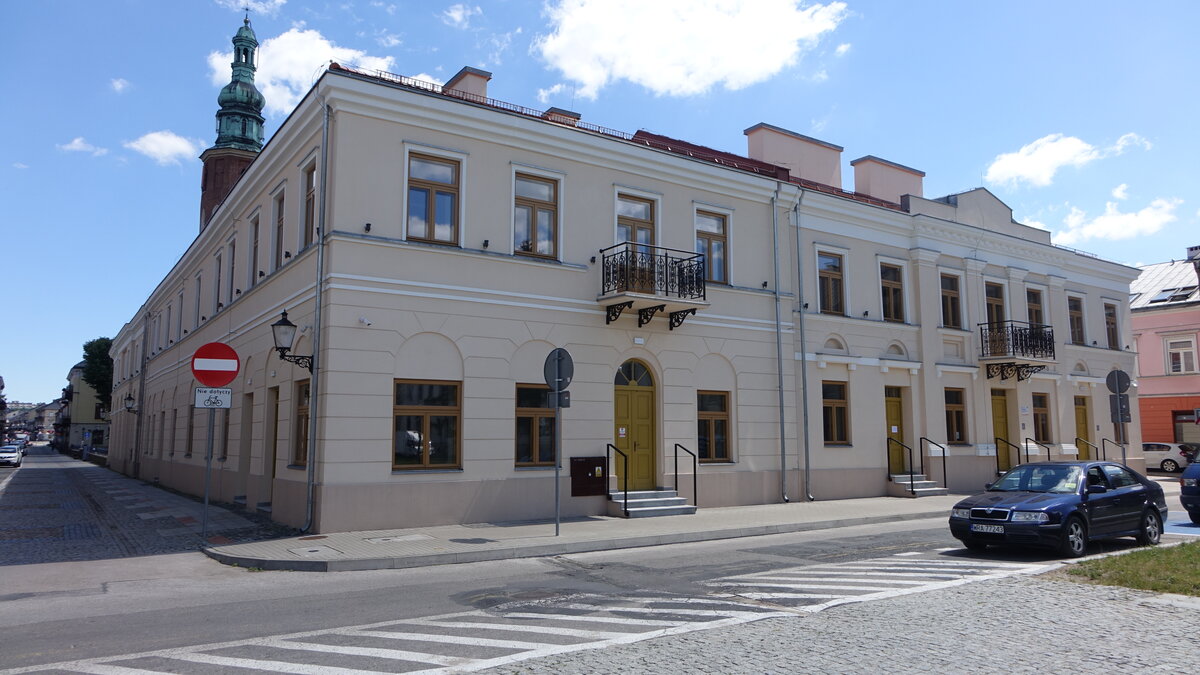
(303, 389)
(956, 416)
(1041, 418)
(535, 434)
(712, 426)
(835, 413)
(427, 418)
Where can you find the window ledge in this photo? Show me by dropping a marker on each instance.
(297, 466)
(534, 468)
(717, 462)
(401, 472)
(839, 445)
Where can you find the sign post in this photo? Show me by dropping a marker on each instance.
(558, 371)
(1118, 403)
(214, 365)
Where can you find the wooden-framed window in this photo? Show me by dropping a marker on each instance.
(535, 216)
(216, 290)
(272, 431)
(310, 206)
(303, 397)
(1041, 418)
(891, 279)
(1110, 326)
(1033, 307)
(196, 306)
(951, 303)
(535, 434)
(835, 413)
(635, 220)
(427, 415)
(1181, 355)
(956, 416)
(433, 191)
(252, 267)
(712, 426)
(994, 299)
(712, 242)
(1075, 319)
(830, 283)
(279, 211)
(229, 296)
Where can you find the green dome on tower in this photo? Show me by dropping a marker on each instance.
(240, 120)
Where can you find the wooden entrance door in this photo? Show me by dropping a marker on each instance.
(1000, 429)
(893, 403)
(1081, 427)
(634, 430)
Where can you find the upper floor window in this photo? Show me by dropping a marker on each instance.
(1181, 355)
(891, 279)
(1110, 326)
(279, 204)
(433, 187)
(253, 261)
(711, 242)
(310, 205)
(635, 220)
(830, 285)
(216, 297)
(535, 216)
(1173, 294)
(1075, 319)
(951, 303)
(1033, 306)
(994, 299)
(199, 288)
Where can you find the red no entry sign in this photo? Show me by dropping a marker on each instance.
(215, 364)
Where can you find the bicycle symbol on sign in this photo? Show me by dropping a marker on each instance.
(212, 402)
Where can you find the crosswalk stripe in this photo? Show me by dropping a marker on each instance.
(448, 639)
(668, 610)
(590, 618)
(820, 581)
(802, 575)
(550, 630)
(395, 654)
(265, 664)
(106, 669)
(797, 596)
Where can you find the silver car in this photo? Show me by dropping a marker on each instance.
(10, 455)
(1169, 457)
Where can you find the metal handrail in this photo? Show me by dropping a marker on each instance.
(624, 473)
(945, 456)
(1041, 445)
(1119, 445)
(891, 440)
(1011, 445)
(1016, 338)
(695, 471)
(1086, 442)
(657, 270)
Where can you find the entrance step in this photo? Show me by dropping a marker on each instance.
(263, 507)
(900, 486)
(240, 500)
(649, 503)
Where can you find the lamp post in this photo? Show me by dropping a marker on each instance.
(284, 333)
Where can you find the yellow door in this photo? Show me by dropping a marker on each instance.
(1081, 427)
(1000, 428)
(634, 433)
(893, 403)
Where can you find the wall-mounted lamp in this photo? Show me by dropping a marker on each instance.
(237, 291)
(367, 227)
(593, 260)
(287, 254)
(220, 306)
(866, 312)
(261, 274)
(1093, 343)
(129, 402)
(284, 333)
(806, 305)
(764, 284)
(486, 242)
(185, 331)
(204, 318)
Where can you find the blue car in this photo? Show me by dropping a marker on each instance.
(1189, 491)
(1062, 506)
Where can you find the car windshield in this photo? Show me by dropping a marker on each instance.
(1034, 478)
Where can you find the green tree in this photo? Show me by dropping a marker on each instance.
(98, 368)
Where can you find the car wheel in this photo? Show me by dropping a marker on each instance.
(1074, 539)
(1169, 465)
(1150, 532)
(1194, 516)
(974, 545)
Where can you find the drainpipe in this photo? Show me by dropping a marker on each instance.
(803, 352)
(141, 400)
(314, 379)
(779, 346)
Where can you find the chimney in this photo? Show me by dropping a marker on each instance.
(804, 157)
(469, 81)
(885, 180)
(561, 116)
(1194, 257)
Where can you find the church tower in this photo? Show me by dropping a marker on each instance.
(239, 127)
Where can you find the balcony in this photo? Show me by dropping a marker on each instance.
(1024, 344)
(649, 280)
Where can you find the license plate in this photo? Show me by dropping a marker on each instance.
(990, 529)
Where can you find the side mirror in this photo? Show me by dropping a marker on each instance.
(1096, 489)
(987, 486)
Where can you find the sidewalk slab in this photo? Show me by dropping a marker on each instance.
(452, 544)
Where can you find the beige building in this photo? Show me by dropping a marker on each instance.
(457, 240)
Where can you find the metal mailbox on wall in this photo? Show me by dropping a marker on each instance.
(589, 477)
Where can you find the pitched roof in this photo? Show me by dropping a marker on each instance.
(1152, 289)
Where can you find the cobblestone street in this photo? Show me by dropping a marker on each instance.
(55, 508)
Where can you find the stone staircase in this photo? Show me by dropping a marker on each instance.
(649, 503)
(899, 486)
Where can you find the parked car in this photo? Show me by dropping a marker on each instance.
(1169, 457)
(1189, 491)
(1062, 506)
(10, 455)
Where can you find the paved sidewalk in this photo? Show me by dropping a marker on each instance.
(418, 547)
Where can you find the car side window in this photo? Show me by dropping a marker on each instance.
(1096, 477)
(1119, 477)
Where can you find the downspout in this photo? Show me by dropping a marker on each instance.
(779, 346)
(141, 400)
(315, 377)
(803, 352)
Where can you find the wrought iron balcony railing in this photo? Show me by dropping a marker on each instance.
(653, 270)
(1016, 339)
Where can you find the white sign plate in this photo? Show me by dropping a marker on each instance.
(208, 397)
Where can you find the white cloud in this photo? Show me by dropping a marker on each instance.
(18, 165)
(543, 95)
(289, 64)
(1036, 223)
(460, 15)
(78, 144)
(120, 84)
(499, 43)
(426, 77)
(165, 147)
(842, 49)
(388, 40)
(264, 7)
(820, 76)
(681, 47)
(1121, 192)
(1037, 162)
(1115, 225)
(390, 9)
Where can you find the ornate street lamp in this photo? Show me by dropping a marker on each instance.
(284, 333)
(129, 402)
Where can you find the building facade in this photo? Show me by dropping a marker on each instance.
(82, 424)
(434, 245)
(1165, 302)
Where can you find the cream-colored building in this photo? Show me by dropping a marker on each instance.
(458, 240)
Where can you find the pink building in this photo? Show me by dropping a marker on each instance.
(1165, 308)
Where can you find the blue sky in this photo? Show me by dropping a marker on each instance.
(1079, 115)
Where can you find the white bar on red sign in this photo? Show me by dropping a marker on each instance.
(215, 364)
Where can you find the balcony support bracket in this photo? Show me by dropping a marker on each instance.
(647, 313)
(678, 317)
(614, 311)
